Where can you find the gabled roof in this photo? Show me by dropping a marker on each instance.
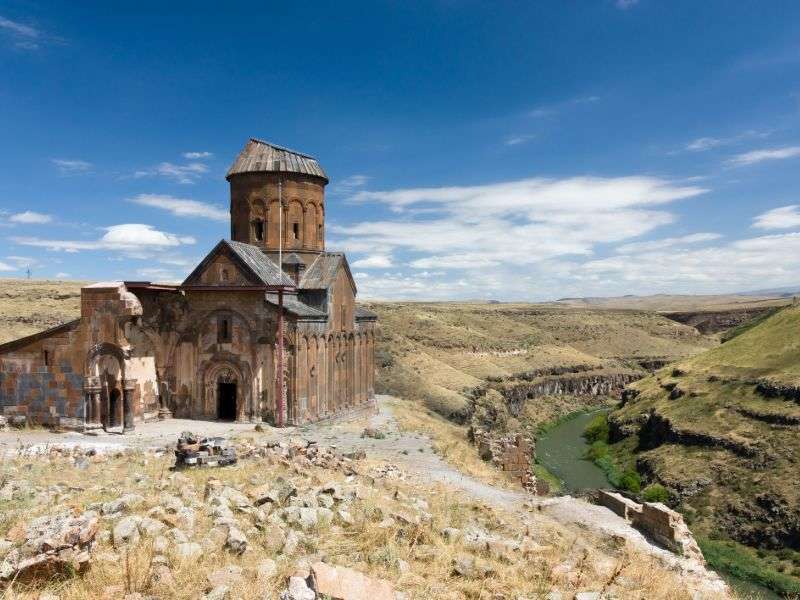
(259, 156)
(321, 274)
(295, 307)
(254, 262)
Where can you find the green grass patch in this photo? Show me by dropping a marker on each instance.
(655, 492)
(541, 472)
(745, 563)
(597, 429)
(745, 327)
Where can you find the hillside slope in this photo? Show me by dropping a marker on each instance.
(439, 353)
(721, 431)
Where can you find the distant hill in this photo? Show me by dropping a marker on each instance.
(682, 302)
(721, 431)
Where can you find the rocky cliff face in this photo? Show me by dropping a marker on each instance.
(518, 390)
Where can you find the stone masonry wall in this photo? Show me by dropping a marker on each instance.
(654, 519)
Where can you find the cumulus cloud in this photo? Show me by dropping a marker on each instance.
(7, 267)
(29, 217)
(671, 242)
(62, 275)
(785, 217)
(133, 239)
(757, 156)
(197, 155)
(71, 166)
(182, 207)
(374, 261)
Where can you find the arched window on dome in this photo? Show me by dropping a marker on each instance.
(258, 230)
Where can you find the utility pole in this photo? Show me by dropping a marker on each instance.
(280, 383)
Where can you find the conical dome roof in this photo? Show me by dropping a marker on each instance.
(259, 156)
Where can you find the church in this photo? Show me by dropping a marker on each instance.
(265, 328)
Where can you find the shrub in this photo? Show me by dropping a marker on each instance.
(631, 481)
(597, 429)
(655, 492)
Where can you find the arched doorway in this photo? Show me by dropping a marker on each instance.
(226, 398)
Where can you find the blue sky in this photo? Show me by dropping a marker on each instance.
(509, 150)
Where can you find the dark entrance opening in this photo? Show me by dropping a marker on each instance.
(114, 399)
(226, 401)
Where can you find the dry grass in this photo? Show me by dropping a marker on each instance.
(448, 440)
(554, 559)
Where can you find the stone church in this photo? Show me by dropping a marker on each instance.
(209, 348)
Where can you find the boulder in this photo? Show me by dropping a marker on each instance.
(227, 576)
(188, 550)
(236, 541)
(126, 531)
(342, 583)
(298, 590)
(53, 543)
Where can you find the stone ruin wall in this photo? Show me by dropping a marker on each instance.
(513, 454)
(42, 381)
(657, 521)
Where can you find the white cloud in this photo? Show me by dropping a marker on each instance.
(197, 155)
(694, 238)
(768, 261)
(62, 275)
(704, 143)
(155, 273)
(785, 217)
(186, 174)
(757, 156)
(626, 4)
(516, 140)
(6, 267)
(374, 261)
(349, 184)
(71, 166)
(30, 217)
(181, 207)
(133, 239)
(23, 262)
(493, 234)
(25, 37)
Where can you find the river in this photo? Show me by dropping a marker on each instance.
(561, 450)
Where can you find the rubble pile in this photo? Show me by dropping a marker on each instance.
(194, 451)
(303, 452)
(49, 544)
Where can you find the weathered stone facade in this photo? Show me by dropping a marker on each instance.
(207, 348)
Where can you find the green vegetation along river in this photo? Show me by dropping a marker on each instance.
(561, 450)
